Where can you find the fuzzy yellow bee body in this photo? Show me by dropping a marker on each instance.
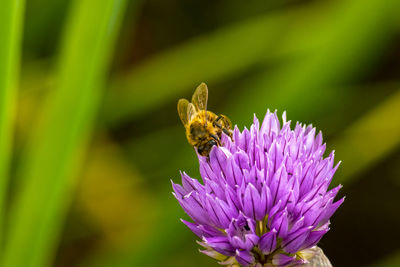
(203, 127)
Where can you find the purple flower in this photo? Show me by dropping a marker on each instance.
(264, 200)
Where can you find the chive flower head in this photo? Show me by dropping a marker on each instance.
(264, 197)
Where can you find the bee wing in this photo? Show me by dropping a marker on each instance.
(200, 97)
(191, 111)
(183, 110)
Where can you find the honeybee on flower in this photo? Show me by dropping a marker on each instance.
(203, 127)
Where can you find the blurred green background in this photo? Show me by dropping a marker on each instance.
(90, 136)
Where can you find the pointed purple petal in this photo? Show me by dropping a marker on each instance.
(282, 260)
(220, 244)
(267, 242)
(251, 201)
(194, 228)
(313, 238)
(244, 257)
(294, 241)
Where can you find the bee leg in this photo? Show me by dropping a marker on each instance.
(216, 138)
(218, 118)
(215, 123)
(227, 132)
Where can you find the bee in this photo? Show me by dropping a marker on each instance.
(203, 127)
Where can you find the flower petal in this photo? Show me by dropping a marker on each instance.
(268, 242)
(282, 259)
(293, 242)
(220, 244)
(251, 202)
(245, 258)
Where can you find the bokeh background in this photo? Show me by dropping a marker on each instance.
(91, 137)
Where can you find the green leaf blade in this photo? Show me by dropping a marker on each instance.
(58, 141)
(11, 18)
